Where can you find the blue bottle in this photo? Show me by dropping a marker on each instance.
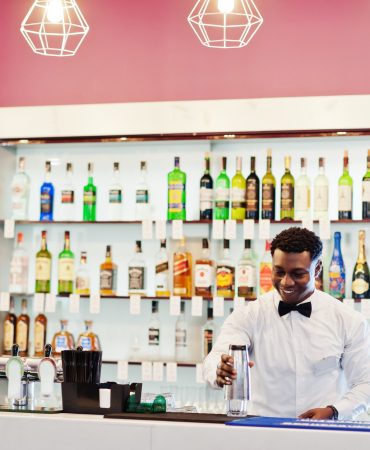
(337, 271)
(47, 196)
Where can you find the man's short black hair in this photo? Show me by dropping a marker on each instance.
(297, 240)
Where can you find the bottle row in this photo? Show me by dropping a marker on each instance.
(239, 198)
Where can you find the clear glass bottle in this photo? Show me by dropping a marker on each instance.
(204, 272)
(47, 196)
(268, 191)
(345, 191)
(181, 336)
(18, 274)
(67, 194)
(115, 195)
(88, 340)
(225, 274)
(23, 330)
(83, 276)
(238, 192)
(302, 202)
(89, 196)
(246, 274)
(321, 193)
(108, 276)
(143, 209)
(62, 340)
(222, 194)
(154, 333)
(66, 267)
(43, 267)
(10, 322)
(182, 271)
(366, 190)
(162, 288)
(20, 192)
(176, 193)
(137, 272)
(287, 193)
(208, 333)
(40, 329)
(337, 272)
(361, 274)
(265, 270)
(253, 193)
(206, 192)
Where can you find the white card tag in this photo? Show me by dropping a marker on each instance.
(239, 303)
(308, 224)
(160, 229)
(9, 229)
(158, 371)
(218, 306)
(122, 370)
(365, 307)
(197, 306)
(174, 305)
(199, 373)
(171, 372)
(74, 303)
(95, 304)
(135, 304)
(324, 229)
(147, 229)
(248, 229)
(38, 303)
(146, 371)
(50, 303)
(349, 302)
(264, 229)
(230, 229)
(4, 301)
(218, 229)
(177, 229)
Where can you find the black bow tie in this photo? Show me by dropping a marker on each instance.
(304, 308)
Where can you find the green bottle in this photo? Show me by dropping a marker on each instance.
(345, 191)
(176, 180)
(238, 187)
(66, 270)
(287, 193)
(268, 191)
(89, 212)
(43, 267)
(222, 194)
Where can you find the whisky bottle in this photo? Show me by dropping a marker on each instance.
(143, 210)
(88, 340)
(345, 191)
(206, 192)
(321, 193)
(265, 270)
(154, 333)
(47, 196)
(302, 203)
(361, 274)
(20, 192)
(208, 333)
(176, 193)
(247, 273)
(62, 340)
(108, 275)
(222, 194)
(204, 272)
(115, 195)
(287, 193)
(366, 190)
(67, 203)
(66, 267)
(137, 272)
(89, 196)
(40, 334)
(181, 336)
(225, 274)
(43, 267)
(23, 330)
(18, 274)
(253, 193)
(9, 329)
(238, 187)
(268, 191)
(182, 271)
(83, 276)
(162, 272)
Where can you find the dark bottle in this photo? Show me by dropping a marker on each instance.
(366, 190)
(206, 192)
(361, 275)
(253, 193)
(268, 191)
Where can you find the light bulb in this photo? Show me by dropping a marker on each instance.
(225, 6)
(55, 11)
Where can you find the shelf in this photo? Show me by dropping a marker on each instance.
(138, 363)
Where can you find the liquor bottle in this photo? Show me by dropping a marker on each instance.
(287, 192)
(154, 333)
(62, 340)
(345, 191)
(204, 272)
(253, 193)
(162, 288)
(181, 336)
(23, 330)
(319, 280)
(43, 267)
(88, 340)
(222, 194)
(89, 196)
(268, 191)
(67, 203)
(18, 275)
(246, 274)
(321, 193)
(266, 270)
(206, 192)
(137, 272)
(238, 187)
(9, 329)
(176, 193)
(208, 333)
(83, 276)
(366, 190)
(182, 271)
(66, 267)
(143, 210)
(337, 272)
(225, 274)
(40, 334)
(47, 196)
(302, 203)
(20, 192)
(108, 275)
(115, 195)
(361, 274)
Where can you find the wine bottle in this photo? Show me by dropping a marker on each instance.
(345, 191)
(302, 203)
(206, 192)
(66, 267)
(268, 191)
(287, 192)
(238, 186)
(321, 193)
(337, 272)
(43, 267)
(176, 180)
(366, 190)
(222, 194)
(361, 274)
(253, 193)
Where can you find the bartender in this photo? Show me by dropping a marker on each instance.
(311, 353)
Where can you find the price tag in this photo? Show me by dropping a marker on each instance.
(4, 301)
(50, 303)
(199, 373)
(218, 306)
(239, 303)
(218, 229)
(146, 371)
(171, 372)
(230, 229)
(135, 304)
(174, 306)
(248, 229)
(9, 229)
(158, 371)
(324, 229)
(308, 224)
(95, 304)
(122, 370)
(365, 307)
(160, 229)
(197, 306)
(349, 302)
(177, 229)
(264, 229)
(74, 303)
(147, 229)
(38, 303)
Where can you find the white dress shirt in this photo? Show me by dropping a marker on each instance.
(300, 362)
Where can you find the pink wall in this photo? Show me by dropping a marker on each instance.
(146, 51)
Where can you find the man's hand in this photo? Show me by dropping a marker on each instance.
(317, 413)
(225, 370)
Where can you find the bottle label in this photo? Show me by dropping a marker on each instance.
(366, 191)
(237, 198)
(336, 281)
(115, 196)
(360, 286)
(19, 189)
(321, 198)
(22, 336)
(268, 196)
(176, 191)
(222, 199)
(136, 278)
(302, 198)
(161, 277)
(287, 195)
(225, 278)
(206, 196)
(61, 343)
(43, 268)
(82, 284)
(208, 341)
(345, 198)
(85, 343)
(108, 279)
(181, 265)
(8, 335)
(66, 269)
(252, 195)
(39, 337)
(203, 276)
(68, 197)
(46, 202)
(89, 198)
(246, 276)
(153, 336)
(265, 278)
(180, 338)
(142, 196)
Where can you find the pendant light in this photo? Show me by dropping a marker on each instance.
(225, 23)
(54, 27)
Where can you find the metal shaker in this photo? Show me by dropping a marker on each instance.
(237, 394)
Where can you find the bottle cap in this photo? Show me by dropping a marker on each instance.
(138, 246)
(226, 243)
(237, 347)
(247, 243)
(163, 243)
(205, 243)
(69, 167)
(209, 313)
(143, 165)
(154, 306)
(116, 166)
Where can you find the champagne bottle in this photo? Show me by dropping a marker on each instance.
(268, 191)
(321, 193)
(287, 193)
(337, 272)
(345, 191)
(176, 180)
(302, 201)
(238, 186)
(206, 192)
(43, 267)
(222, 194)
(253, 193)
(366, 190)
(361, 274)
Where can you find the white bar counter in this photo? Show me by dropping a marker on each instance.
(88, 432)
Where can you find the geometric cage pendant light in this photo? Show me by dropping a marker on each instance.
(225, 23)
(54, 27)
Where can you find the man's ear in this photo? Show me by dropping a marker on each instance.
(318, 268)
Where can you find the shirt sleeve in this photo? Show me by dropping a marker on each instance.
(235, 331)
(356, 366)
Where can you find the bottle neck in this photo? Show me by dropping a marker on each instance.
(361, 251)
(43, 244)
(207, 166)
(269, 164)
(90, 179)
(345, 165)
(67, 244)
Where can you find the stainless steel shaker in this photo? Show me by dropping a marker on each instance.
(237, 394)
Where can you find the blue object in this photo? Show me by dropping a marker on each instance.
(46, 201)
(337, 272)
